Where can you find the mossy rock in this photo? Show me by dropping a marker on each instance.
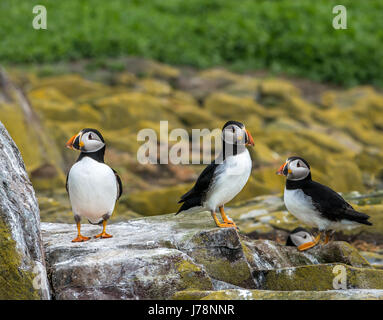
(263, 155)
(231, 107)
(192, 275)
(161, 201)
(349, 98)
(252, 189)
(223, 256)
(277, 87)
(34, 143)
(370, 160)
(125, 78)
(241, 294)
(246, 86)
(149, 68)
(48, 94)
(220, 74)
(194, 117)
(125, 109)
(344, 176)
(154, 87)
(16, 283)
(72, 86)
(319, 278)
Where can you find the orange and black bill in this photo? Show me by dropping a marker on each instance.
(249, 139)
(283, 170)
(74, 142)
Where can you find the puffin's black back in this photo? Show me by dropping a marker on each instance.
(195, 196)
(328, 202)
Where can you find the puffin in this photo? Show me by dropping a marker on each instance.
(224, 178)
(299, 238)
(315, 204)
(93, 186)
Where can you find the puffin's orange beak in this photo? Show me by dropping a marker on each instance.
(70, 142)
(280, 170)
(250, 140)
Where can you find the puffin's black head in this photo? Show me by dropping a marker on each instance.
(298, 237)
(234, 132)
(87, 140)
(295, 168)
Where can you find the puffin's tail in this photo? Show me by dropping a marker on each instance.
(357, 216)
(190, 204)
(96, 223)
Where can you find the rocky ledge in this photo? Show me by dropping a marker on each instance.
(187, 257)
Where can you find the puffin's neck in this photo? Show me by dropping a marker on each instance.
(235, 148)
(97, 155)
(298, 184)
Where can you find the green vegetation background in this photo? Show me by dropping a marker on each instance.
(295, 37)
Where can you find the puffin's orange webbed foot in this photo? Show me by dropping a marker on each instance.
(226, 219)
(226, 225)
(103, 235)
(80, 238)
(232, 224)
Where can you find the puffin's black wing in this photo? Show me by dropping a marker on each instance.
(195, 195)
(331, 205)
(66, 182)
(119, 184)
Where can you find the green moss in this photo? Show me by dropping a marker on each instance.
(190, 295)
(247, 252)
(191, 276)
(235, 272)
(234, 294)
(160, 201)
(15, 283)
(320, 277)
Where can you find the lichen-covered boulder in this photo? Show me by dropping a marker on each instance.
(268, 255)
(148, 258)
(320, 277)
(240, 294)
(156, 257)
(22, 265)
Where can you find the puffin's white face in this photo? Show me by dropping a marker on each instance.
(294, 169)
(301, 237)
(234, 134)
(87, 140)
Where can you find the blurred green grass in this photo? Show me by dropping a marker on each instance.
(282, 36)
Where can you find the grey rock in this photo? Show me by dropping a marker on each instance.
(20, 219)
(147, 258)
(156, 257)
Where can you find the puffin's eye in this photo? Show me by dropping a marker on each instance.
(298, 164)
(233, 129)
(90, 136)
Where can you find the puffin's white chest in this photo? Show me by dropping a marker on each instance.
(230, 178)
(300, 206)
(92, 189)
